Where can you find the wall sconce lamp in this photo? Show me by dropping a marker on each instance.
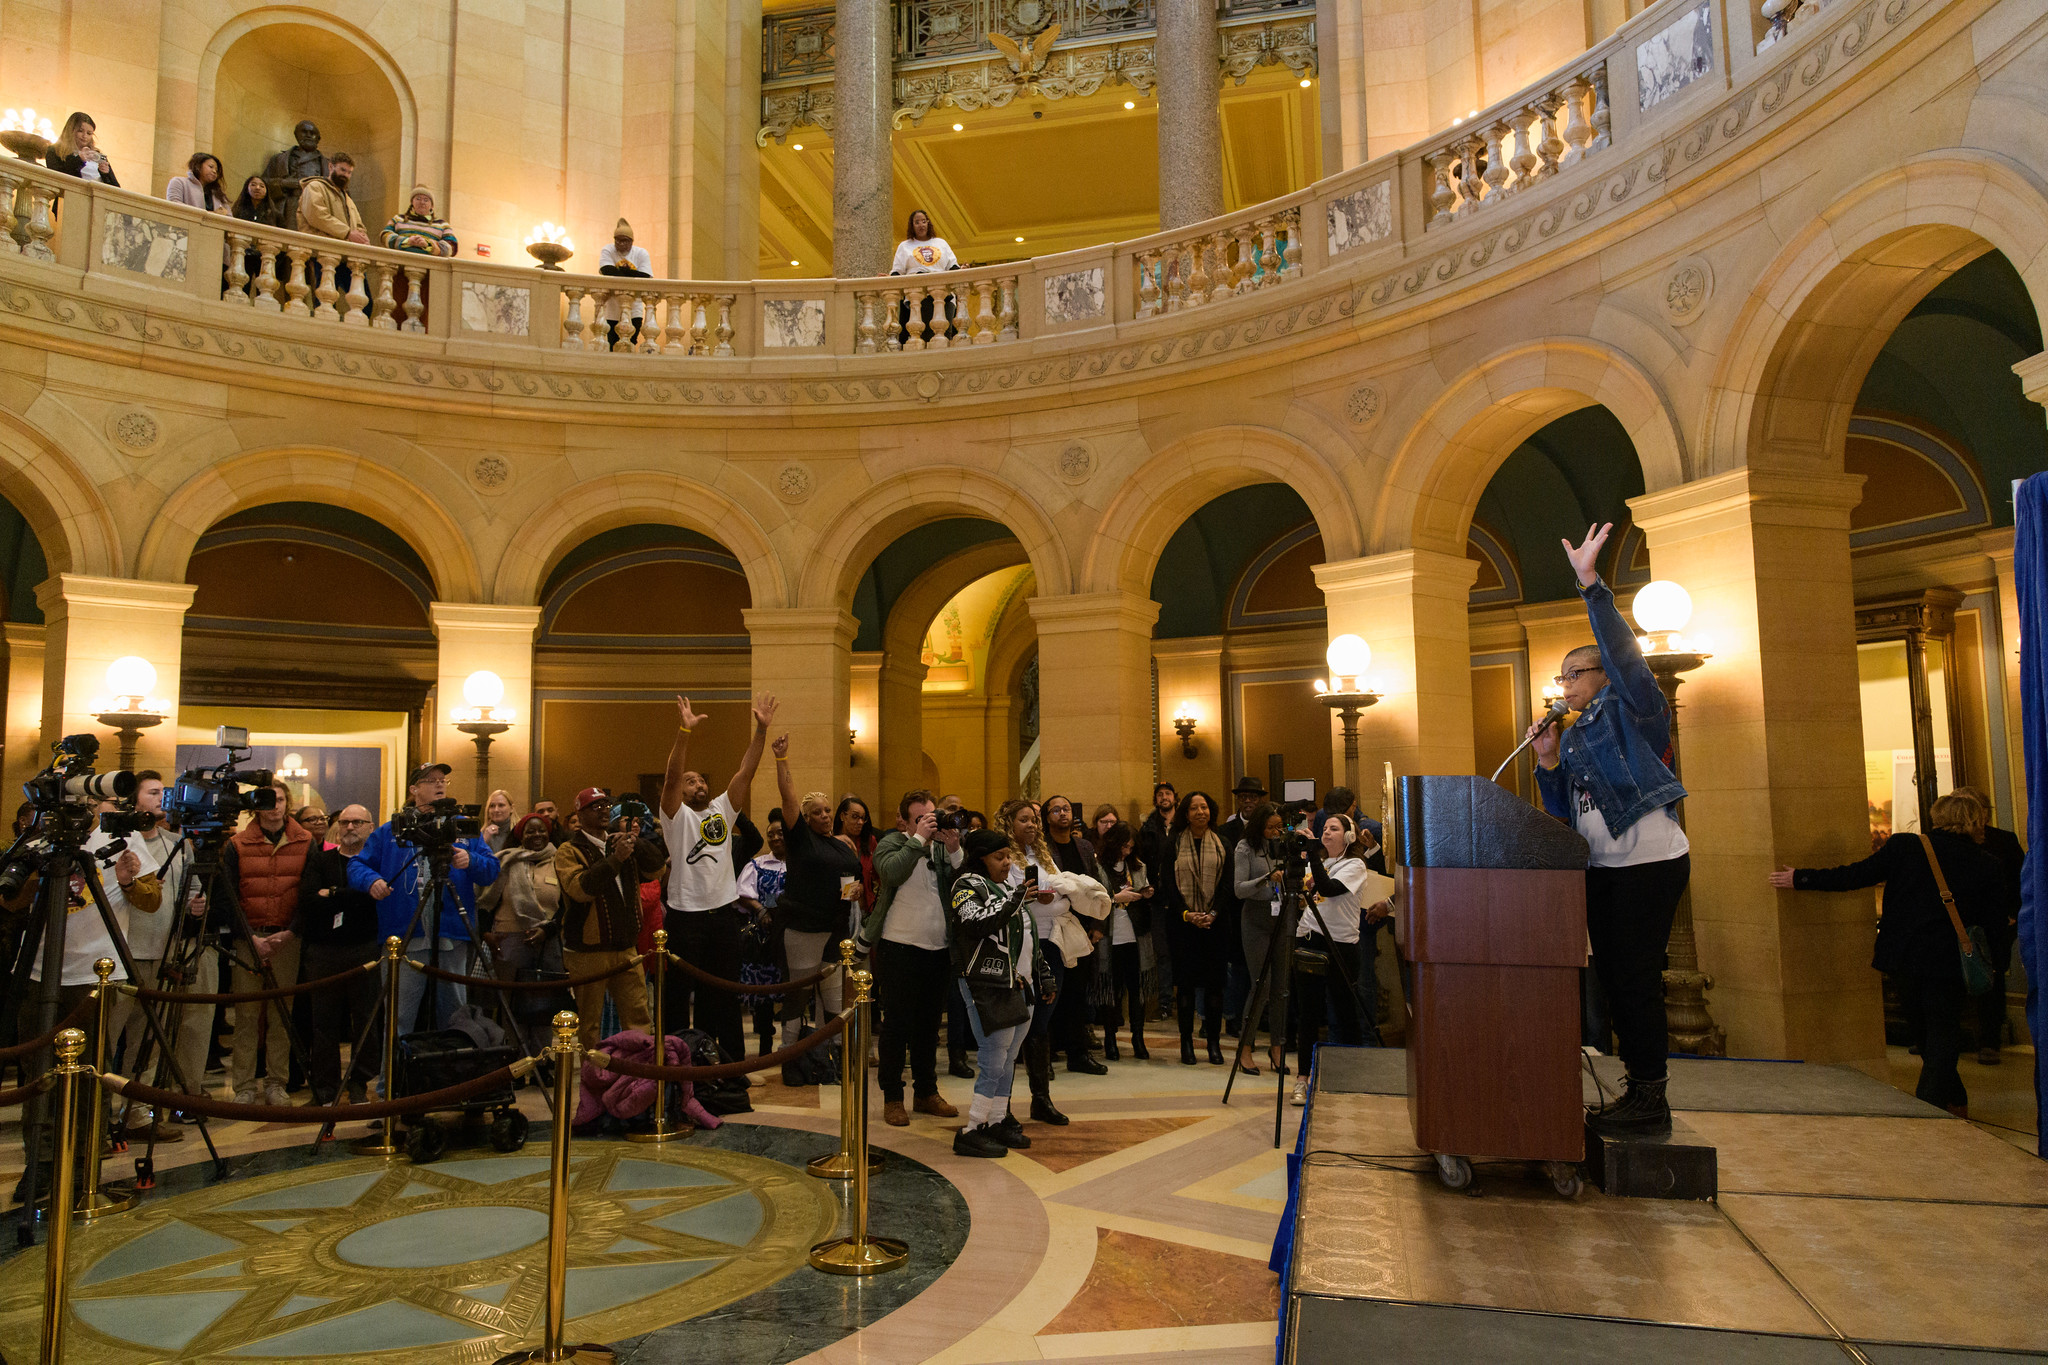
(1184, 722)
(131, 709)
(483, 720)
(852, 740)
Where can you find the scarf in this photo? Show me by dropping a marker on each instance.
(1194, 868)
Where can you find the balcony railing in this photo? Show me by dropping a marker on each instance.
(1575, 150)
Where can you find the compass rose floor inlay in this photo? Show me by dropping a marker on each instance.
(391, 1263)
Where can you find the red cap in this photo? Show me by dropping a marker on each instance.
(590, 796)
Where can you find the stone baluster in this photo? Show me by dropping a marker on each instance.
(1469, 180)
(892, 324)
(1551, 147)
(864, 329)
(1148, 283)
(1602, 116)
(651, 331)
(1268, 230)
(1176, 280)
(10, 186)
(1290, 254)
(264, 292)
(295, 286)
(914, 324)
(386, 303)
(676, 337)
(357, 300)
(1006, 315)
(698, 324)
(325, 291)
(1577, 131)
(1197, 291)
(725, 303)
(572, 321)
(1496, 173)
(1524, 161)
(1441, 196)
(984, 313)
(621, 338)
(940, 329)
(1222, 274)
(1241, 268)
(35, 228)
(238, 269)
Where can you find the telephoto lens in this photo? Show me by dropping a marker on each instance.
(114, 786)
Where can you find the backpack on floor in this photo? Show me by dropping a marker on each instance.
(721, 1097)
(819, 1066)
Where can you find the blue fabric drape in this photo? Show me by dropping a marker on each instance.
(2030, 572)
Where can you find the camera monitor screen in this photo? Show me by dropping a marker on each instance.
(1298, 789)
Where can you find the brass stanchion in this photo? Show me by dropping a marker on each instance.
(70, 1047)
(859, 1254)
(567, 1054)
(386, 1143)
(93, 1202)
(853, 1094)
(661, 1131)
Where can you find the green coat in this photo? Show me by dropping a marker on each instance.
(896, 857)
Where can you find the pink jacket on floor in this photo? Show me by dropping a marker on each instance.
(627, 1097)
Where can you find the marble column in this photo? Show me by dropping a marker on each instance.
(1412, 608)
(804, 655)
(863, 230)
(864, 772)
(87, 624)
(1774, 756)
(475, 636)
(1189, 61)
(24, 722)
(1095, 694)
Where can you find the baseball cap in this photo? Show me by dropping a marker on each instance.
(425, 770)
(590, 796)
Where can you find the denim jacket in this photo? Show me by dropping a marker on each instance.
(1615, 750)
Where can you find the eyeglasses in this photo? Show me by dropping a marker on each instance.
(351, 822)
(1572, 675)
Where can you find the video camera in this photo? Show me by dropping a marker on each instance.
(209, 802)
(435, 829)
(70, 779)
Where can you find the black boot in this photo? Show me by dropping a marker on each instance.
(1640, 1112)
(1081, 1063)
(1109, 1052)
(1038, 1066)
(1187, 1032)
(959, 1066)
(1138, 1050)
(1212, 1033)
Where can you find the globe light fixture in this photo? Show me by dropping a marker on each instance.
(1348, 694)
(483, 720)
(130, 710)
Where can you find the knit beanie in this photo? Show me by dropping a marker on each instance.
(624, 229)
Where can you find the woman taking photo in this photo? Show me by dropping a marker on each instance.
(1130, 922)
(1199, 873)
(1917, 943)
(76, 152)
(1001, 969)
(1257, 883)
(1323, 994)
(1030, 862)
(818, 891)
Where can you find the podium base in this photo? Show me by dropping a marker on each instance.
(1680, 1166)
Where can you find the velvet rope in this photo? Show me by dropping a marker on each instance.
(746, 988)
(315, 1113)
(23, 1093)
(723, 1069)
(491, 983)
(79, 1014)
(236, 998)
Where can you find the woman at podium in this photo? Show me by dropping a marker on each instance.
(1605, 775)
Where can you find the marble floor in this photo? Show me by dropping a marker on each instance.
(1142, 1230)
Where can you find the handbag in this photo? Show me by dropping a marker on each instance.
(1971, 943)
(1000, 1007)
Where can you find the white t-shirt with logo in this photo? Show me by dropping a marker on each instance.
(922, 258)
(1655, 838)
(701, 875)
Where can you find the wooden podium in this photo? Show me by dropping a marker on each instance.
(1493, 919)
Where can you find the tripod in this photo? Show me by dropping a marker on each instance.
(65, 859)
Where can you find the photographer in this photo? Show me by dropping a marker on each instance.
(148, 933)
(392, 871)
(600, 873)
(265, 862)
(914, 966)
(338, 926)
(1257, 879)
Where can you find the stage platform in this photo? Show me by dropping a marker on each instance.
(1851, 1218)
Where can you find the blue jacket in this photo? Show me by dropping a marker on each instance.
(384, 858)
(1615, 750)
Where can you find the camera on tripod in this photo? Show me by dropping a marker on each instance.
(70, 779)
(209, 802)
(435, 828)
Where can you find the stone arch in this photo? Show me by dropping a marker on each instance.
(1170, 487)
(242, 25)
(593, 506)
(917, 604)
(71, 521)
(311, 475)
(1443, 463)
(1812, 326)
(905, 502)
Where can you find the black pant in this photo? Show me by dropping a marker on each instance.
(1933, 995)
(1628, 919)
(339, 1014)
(1127, 1001)
(710, 941)
(1322, 996)
(913, 984)
(1990, 1006)
(1070, 1012)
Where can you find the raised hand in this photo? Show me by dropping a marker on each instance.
(1585, 557)
(690, 719)
(780, 747)
(764, 710)
(1782, 879)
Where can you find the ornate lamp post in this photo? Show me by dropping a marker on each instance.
(131, 709)
(1348, 694)
(1662, 610)
(483, 720)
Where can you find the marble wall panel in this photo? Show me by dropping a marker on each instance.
(1362, 216)
(1074, 297)
(792, 323)
(144, 246)
(502, 309)
(1670, 60)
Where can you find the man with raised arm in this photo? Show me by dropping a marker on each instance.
(703, 918)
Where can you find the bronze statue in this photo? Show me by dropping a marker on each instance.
(285, 172)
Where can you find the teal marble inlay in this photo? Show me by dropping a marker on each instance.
(593, 1289)
(153, 1250)
(625, 1244)
(492, 1294)
(641, 1205)
(414, 1190)
(733, 1220)
(299, 1303)
(658, 1175)
(337, 1193)
(164, 1322)
(494, 1170)
(389, 1326)
(438, 1237)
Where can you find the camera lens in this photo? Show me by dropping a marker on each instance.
(100, 786)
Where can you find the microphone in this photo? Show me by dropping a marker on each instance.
(1553, 714)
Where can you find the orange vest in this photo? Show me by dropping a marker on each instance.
(270, 873)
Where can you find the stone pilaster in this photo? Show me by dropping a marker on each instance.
(863, 180)
(804, 655)
(1411, 607)
(24, 715)
(899, 702)
(1095, 694)
(1773, 737)
(1189, 62)
(87, 624)
(475, 636)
